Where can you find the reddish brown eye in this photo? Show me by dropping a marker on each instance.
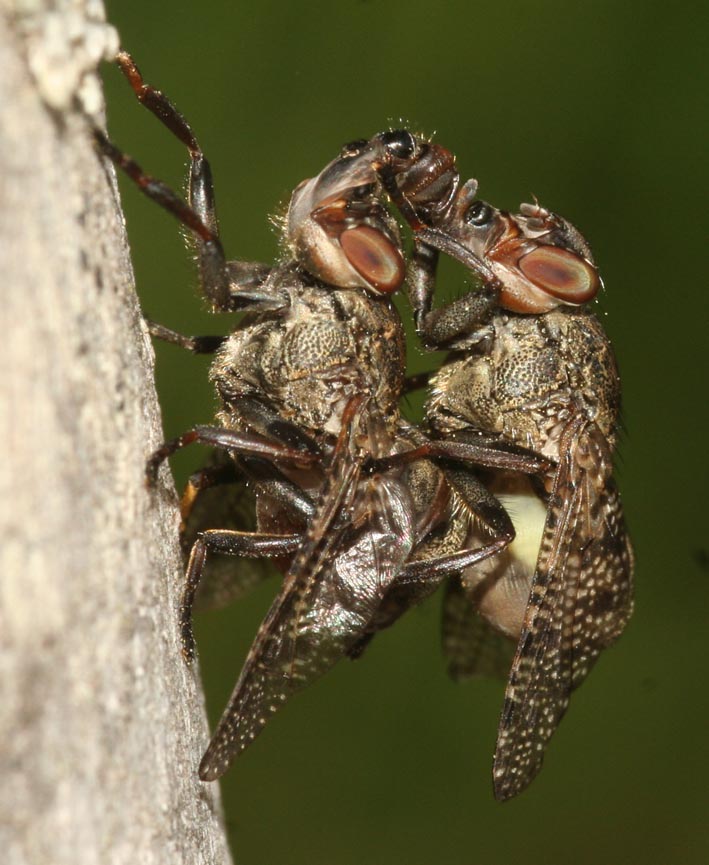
(374, 257)
(561, 273)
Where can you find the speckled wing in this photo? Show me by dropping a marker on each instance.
(471, 645)
(580, 601)
(360, 537)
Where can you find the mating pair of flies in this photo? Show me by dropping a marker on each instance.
(366, 513)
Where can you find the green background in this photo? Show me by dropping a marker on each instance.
(598, 109)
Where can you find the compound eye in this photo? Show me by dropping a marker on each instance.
(400, 143)
(478, 214)
(561, 273)
(374, 257)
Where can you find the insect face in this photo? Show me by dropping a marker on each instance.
(337, 226)
(338, 229)
(537, 259)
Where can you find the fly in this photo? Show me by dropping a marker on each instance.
(530, 364)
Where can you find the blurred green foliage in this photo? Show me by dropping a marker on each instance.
(598, 109)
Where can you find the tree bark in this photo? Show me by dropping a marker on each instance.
(101, 723)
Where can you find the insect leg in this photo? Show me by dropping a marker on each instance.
(195, 344)
(387, 175)
(487, 510)
(444, 241)
(256, 415)
(420, 281)
(205, 478)
(212, 264)
(227, 285)
(270, 482)
(246, 298)
(475, 450)
(265, 477)
(459, 319)
(224, 495)
(230, 543)
(200, 191)
(228, 439)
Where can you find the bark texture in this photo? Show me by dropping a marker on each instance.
(101, 723)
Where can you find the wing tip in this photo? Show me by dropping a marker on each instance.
(506, 787)
(211, 769)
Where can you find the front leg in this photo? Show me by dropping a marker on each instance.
(443, 327)
(421, 281)
(453, 325)
(228, 285)
(199, 214)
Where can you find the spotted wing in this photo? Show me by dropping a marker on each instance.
(580, 601)
(356, 544)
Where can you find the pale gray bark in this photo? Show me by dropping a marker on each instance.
(101, 723)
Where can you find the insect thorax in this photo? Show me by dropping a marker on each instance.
(307, 361)
(525, 382)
